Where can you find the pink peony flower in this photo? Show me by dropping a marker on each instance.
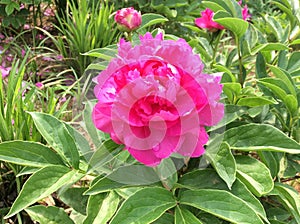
(154, 99)
(206, 21)
(128, 19)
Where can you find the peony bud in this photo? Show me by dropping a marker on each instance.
(128, 19)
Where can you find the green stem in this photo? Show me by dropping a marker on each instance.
(129, 36)
(216, 46)
(241, 80)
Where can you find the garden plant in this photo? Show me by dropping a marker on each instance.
(159, 111)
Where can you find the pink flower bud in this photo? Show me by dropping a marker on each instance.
(39, 85)
(128, 19)
(206, 21)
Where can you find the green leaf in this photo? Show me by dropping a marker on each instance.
(223, 161)
(255, 101)
(253, 137)
(28, 154)
(41, 184)
(290, 199)
(184, 216)
(9, 8)
(101, 208)
(236, 25)
(276, 85)
(254, 174)
(149, 19)
(167, 173)
(166, 218)
(285, 77)
(291, 103)
(57, 136)
(269, 47)
(297, 41)
(208, 179)
(144, 206)
(212, 5)
(74, 198)
(49, 214)
(104, 154)
(221, 204)
(106, 53)
(232, 90)
(131, 175)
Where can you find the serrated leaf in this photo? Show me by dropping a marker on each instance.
(101, 208)
(144, 206)
(254, 174)
(184, 216)
(223, 161)
(41, 184)
(253, 137)
(57, 136)
(221, 204)
(47, 215)
(28, 154)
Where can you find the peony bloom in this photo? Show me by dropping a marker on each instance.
(154, 99)
(128, 19)
(206, 21)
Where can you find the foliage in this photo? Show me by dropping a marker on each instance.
(250, 171)
(86, 26)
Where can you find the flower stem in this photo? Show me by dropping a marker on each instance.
(216, 46)
(241, 79)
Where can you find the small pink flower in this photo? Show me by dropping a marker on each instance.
(59, 57)
(245, 13)
(4, 71)
(2, 36)
(49, 12)
(39, 85)
(23, 52)
(47, 59)
(154, 99)
(206, 21)
(128, 19)
(26, 27)
(40, 36)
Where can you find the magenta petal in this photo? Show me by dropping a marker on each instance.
(146, 157)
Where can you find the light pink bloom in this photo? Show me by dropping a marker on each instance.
(2, 36)
(128, 19)
(23, 52)
(59, 57)
(154, 99)
(206, 21)
(26, 27)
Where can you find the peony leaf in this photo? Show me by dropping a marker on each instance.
(264, 137)
(144, 206)
(49, 214)
(41, 184)
(221, 204)
(223, 161)
(184, 216)
(236, 25)
(57, 136)
(149, 19)
(28, 154)
(254, 174)
(101, 207)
